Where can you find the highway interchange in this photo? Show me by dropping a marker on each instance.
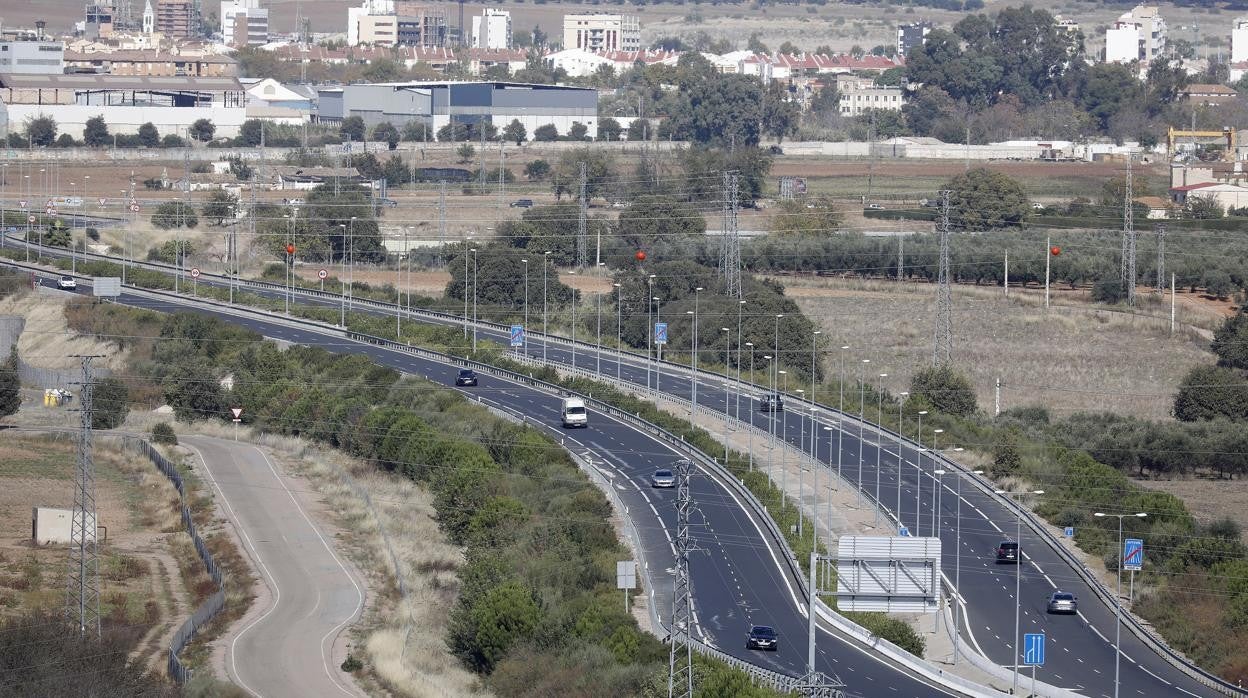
(740, 580)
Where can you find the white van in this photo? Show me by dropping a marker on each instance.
(573, 412)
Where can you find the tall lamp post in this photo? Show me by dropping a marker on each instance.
(619, 328)
(814, 452)
(526, 295)
(862, 420)
(801, 447)
(901, 401)
(1018, 572)
(740, 307)
(879, 446)
(545, 306)
(840, 432)
(1117, 599)
(957, 570)
(650, 349)
(936, 491)
(474, 300)
(749, 408)
(598, 341)
(693, 362)
(727, 364)
(784, 436)
(918, 476)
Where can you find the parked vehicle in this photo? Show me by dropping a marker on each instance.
(1007, 551)
(574, 414)
(663, 478)
(466, 376)
(522, 203)
(1063, 602)
(762, 637)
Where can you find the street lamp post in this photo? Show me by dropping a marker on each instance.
(545, 307)
(801, 441)
(465, 295)
(750, 409)
(1117, 599)
(814, 452)
(727, 363)
(771, 415)
(879, 446)
(784, 436)
(526, 298)
(840, 435)
(351, 263)
(574, 304)
(619, 329)
(918, 475)
(658, 348)
(901, 401)
(1018, 573)
(740, 307)
(650, 299)
(935, 493)
(937, 472)
(862, 420)
(693, 361)
(957, 570)
(342, 296)
(474, 300)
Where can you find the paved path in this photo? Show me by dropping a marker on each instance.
(289, 644)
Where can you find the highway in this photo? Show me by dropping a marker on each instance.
(1080, 648)
(292, 641)
(738, 576)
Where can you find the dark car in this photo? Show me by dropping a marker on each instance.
(522, 203)
(1063, 602)
(762, 637)
(663, 478)
(1007, 551)
(466, 376)
(771, 403)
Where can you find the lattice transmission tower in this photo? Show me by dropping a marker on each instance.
(82, 590)
(582, 237)
(942, 339)
(730, 240)
(1160, 286)
(680, 661)
(1127, 263)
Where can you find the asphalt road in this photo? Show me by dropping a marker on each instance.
(291, 642)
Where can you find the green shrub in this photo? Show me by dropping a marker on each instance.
(162, 433)
(945, 389)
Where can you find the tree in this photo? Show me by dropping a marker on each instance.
(780, 113)
(220, 206)
(174, 214)
(172, 140)
(982, 199)
(1218, 284)
(1230, 341)
(203, 130)
(578, 131)
(110, 403)
(660, 220)
(385, 131)
(722, 110)
(65, 141)
(756, 45)
(170, 251)
(1006, 459)
(946, 389)
(382, 70)
(251, 133)
(41, 131)
(598, 172)
(1211, 392)
(194, 392)
(809, 216)
(515, 132)
(1109, 89)
(826, 102)
(10, 384)
(96, 132)
(537, 170)
(1109, 290)
(1203, 208)
(396, 171)
(148, 135)
(609, 130)
(415, 131)
(640, 130)
(546, 133)
(465, 153)
(481, 634)
(240, 169)
(453, 132)
(352, 128)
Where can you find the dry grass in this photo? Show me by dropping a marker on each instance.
(403, 639)
(47, 341)
(1075, 357)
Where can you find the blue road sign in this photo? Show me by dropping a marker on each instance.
(1133, 554)
(1069, 532)
(903, 532)
(517, 335)
(660, 333)
(1033, 649)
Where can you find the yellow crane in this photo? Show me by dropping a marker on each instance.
(1226, 134)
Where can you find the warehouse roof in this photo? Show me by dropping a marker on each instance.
(119, 82)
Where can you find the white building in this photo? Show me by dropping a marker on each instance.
(368, 8)
(602, 32)
(492, 29)
(860, 94)
(1239, 41)
(1138, 35)
(244, 23)
(29, 57)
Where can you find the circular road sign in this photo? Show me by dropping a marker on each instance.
(322, 274)
(31, 218)
(194, 272)
(134, 208)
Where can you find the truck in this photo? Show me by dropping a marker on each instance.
(573, 413)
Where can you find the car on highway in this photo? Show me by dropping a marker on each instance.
(1007, 551)
(771, 403)
(762, 637)
(573, 413)
(466, 376)
(876, 207)
(663, 478)
(67, 283)
(391, 203)
(1063, 602)
(522, 203)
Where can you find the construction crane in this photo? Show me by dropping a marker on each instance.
(1226, 135)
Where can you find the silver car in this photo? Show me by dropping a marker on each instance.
(663, 478)
(1063, 602)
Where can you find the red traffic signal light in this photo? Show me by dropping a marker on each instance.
(290, 249)
(1055, 250)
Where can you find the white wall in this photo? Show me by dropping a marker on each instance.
(53, 525)
(72, 118)
(1122, 45)
(1239, 42)
(531, 122)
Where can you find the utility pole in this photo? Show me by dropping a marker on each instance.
(1127, 263)
(901, 257)
(82, 593)
(816, 683)
(501, 141)
(680, 659)
(942, 344)
(730, 240)
(582, 241)
(1161, 260)
(441, 220)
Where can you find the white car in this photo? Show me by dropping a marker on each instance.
(66, 283)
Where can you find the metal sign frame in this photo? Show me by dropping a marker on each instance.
(106, 286)
(888, 574)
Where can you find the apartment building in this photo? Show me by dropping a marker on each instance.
(492, 29)
(861, 94)
(244, 23)
(602, 32)
(1138, 35)
(910, 36)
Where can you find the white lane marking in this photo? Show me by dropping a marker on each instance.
(359, 605)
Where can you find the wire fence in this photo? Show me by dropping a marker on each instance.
(213, 604)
